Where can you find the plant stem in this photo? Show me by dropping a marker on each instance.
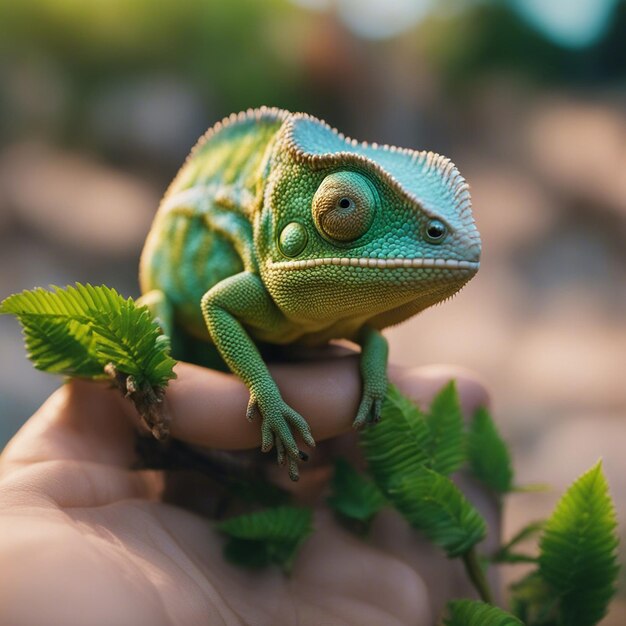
(477, 576)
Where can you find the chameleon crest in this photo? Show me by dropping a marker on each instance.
(280, 230)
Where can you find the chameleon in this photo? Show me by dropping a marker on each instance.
(280, 230)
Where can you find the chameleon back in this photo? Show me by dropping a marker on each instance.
(215, 192)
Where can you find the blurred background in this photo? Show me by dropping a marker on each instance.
(101, 101)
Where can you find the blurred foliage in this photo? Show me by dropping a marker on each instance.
(244, 53)
(225, 47)
(229, 53)
(491, 38)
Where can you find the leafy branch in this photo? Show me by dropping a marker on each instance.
(410, 454)
(93, 332)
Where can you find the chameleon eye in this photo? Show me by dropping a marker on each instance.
(343, 206)
(435, 231)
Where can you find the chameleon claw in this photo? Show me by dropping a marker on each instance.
(131, 385)
(293, 471)
(303, 455)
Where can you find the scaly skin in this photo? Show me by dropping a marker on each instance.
(279, 230)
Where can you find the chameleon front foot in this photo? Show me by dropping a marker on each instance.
(148, 401)
(277, 420)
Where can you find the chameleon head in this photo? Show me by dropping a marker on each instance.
(361, 231)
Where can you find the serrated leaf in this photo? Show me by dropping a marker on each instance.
(283, 523)
(447, 436)
(533, 601)
(474, 613)
(433, 504)
(101, 327)
(398, 444)
(269, 536)
(354, 496)
(489, 457)
(247, 553)
(578, 550)
(506, 555)
(407, 439)
(60, 347)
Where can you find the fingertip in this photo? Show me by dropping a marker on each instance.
(422, 385)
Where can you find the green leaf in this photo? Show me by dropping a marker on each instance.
(398, 444)
(60, 347)
(269, 536)
(354, 496)
(247, 553)
(533, 601)
(76, 331)
(474, 613)
(433, 504)
(447, 436)
(506, 555)
(489, 457)
(578, 550)
(407, 439)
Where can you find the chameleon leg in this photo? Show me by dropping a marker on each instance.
(242, 299)
(160, 307)
(374, 352)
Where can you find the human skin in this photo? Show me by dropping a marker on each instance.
(85, 540)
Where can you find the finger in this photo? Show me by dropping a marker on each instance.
(422, 385)
(70, 484)
(208, 407)
(80, 421)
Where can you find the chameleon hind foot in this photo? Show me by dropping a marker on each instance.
(148, 401)
(369, 410)
(277, 419)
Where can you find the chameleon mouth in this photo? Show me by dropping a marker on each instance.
(439, 264)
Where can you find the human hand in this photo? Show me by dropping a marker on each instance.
(85, 540)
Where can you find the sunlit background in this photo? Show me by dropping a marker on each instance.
(101, 101)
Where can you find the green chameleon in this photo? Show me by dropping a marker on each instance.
(280, 230)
